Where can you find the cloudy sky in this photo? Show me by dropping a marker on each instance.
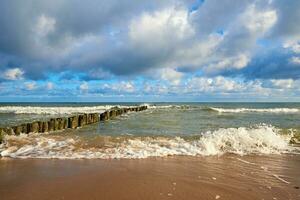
(137, 50)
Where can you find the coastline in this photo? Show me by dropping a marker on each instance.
(177, 177)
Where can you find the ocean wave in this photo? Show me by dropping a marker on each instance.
(55, 110)
(261, 110)
(153, 106)
(224, 110)
(242, 141)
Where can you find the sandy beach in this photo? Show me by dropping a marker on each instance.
(150, 100)
(179, 177)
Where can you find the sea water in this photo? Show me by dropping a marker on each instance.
(164, 129)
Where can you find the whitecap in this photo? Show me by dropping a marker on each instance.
(242, 141)
(261, 110)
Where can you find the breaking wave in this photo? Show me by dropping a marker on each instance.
(61, 110)
(181, 107)
(262, 110)
(54, 110)
(262, 139)
(226, 110)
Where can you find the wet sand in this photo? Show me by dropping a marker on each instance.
(226, 177)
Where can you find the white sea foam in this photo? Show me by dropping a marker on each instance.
(60, 110)
(242, 141)
(262, 110)
(160, 106)
(56, 110)
(226, 110)
(153, 106)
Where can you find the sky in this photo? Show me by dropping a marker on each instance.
(138, 50)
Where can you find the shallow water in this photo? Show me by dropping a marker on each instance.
(194, 129)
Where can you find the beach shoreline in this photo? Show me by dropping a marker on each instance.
(176, 177)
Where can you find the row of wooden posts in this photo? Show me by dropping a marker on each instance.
(73, 122)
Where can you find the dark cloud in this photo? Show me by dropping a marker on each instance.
(213, 16)
(72, 20)
(288, 12)
(91, 40)
(275, 64)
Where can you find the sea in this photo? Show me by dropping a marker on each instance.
(164, 129)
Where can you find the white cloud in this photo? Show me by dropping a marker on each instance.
(219, 83)
(30, 85)
(123, 86)
(170, 75)
(293, 45)
(223, 86)
(44, 25)
(13, 74)
(167, 36)
(230, 50)
(295, 60)
(258, 21)
(160, 29)
(216, 38)
(159, 89)
(212, 86)
(198, 53)
(127, 87)
(241, 61)
(49, 86)
(282, 83)
(147, 88)
(236, 62)
(84, 86)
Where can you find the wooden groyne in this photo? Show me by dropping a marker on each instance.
(62, 123)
